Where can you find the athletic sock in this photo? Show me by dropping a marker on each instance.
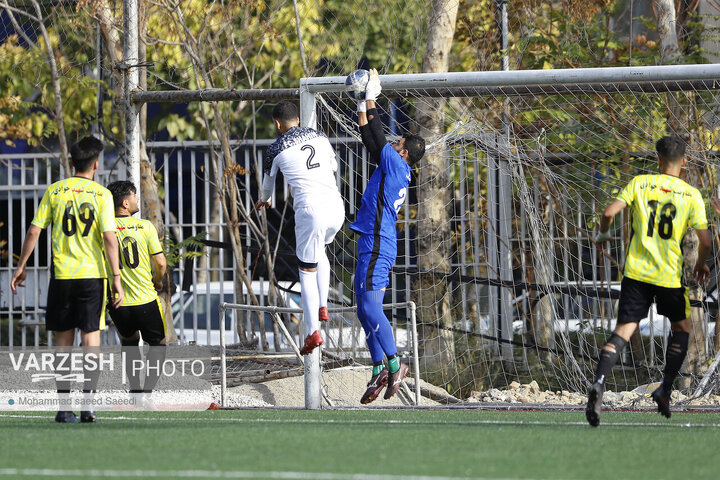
(131, 351)
(154, 359)
(608, 358)
(91, 370)
(310, 300)
(378, 322)
(393, 363)
(323, 278)
(377, 368)
(61, 366)
(674, 357)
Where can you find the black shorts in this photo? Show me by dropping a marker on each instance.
(636, 298)
(148, 319)
(76, 303)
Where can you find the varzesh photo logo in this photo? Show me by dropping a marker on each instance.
(107, 378)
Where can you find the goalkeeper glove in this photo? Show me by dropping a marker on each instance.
(361, 106)
(373, 88)
(601, 237)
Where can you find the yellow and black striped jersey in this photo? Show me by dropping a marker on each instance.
(80, 210)
(138, 240)
(662, 208)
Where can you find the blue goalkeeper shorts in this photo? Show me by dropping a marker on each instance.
(376, 256)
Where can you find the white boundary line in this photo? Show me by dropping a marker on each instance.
(98, 473)
(382, 421)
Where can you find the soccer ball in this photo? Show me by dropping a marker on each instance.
(355, 84)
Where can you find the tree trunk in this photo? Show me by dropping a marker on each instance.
(678, 125)
(670, 53)
(434, 237)
(57, 94)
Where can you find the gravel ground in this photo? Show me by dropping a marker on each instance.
(531, 394)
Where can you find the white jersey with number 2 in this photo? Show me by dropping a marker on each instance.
(307, 160)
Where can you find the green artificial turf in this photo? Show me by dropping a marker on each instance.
(362, 444)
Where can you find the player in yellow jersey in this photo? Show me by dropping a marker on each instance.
(662, 208)
(142, 267)
(83, 230)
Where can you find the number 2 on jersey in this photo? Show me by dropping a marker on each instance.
(667, 215)
(309, 163)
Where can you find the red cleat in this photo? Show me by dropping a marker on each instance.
(375, 386)
(395, 381)
(311, 341)
(324, 315)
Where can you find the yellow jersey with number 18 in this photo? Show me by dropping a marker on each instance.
(80, 210)
(662, 208)
(138, 240)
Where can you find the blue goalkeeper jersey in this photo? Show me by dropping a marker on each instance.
(384, 195)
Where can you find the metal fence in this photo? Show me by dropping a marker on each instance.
(191, 207)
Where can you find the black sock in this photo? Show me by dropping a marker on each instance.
(61, 362)
(154, 361)
(674, 357)
(91, 368)
(608, 358)
(131, 349)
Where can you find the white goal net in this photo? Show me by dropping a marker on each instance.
(494, 242)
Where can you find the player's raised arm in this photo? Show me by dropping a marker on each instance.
(371, 129)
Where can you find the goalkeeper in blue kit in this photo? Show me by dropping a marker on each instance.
(377, 244)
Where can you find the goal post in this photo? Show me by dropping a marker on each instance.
(313, 381)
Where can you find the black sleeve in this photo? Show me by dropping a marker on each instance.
(373, 137)
(376, 129)
(367, 138)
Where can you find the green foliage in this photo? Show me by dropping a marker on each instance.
(27, 104)
(191, 247)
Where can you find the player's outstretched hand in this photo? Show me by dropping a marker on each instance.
(373, 89)
(259, 205)
(18, 280)
(702, 272)
(715, 202)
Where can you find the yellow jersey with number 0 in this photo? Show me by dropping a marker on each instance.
(138, 240)
(662, 208)
(80, 210)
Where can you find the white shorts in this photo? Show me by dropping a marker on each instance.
(316, 227)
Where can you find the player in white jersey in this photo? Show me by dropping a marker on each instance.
(307, 160)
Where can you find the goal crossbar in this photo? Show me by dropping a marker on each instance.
(663, 78)
(662, 73)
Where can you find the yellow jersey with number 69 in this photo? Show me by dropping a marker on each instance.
(662, 208)
(138, 240)
(80, 210)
